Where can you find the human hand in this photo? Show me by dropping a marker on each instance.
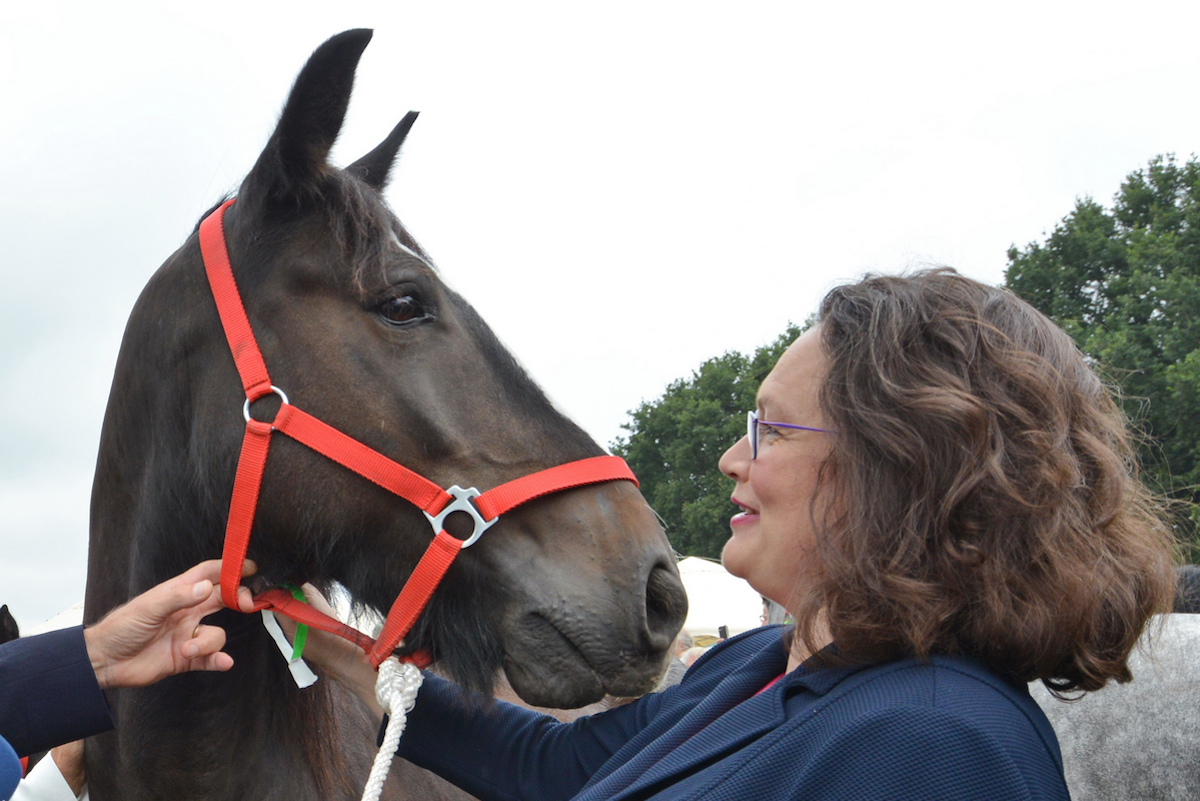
(158, 633)
(68, 758)
(338, 658)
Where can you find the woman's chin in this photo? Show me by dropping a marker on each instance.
(733, 556)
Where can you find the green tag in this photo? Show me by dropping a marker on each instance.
(301, 629)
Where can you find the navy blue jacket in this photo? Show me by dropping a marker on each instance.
(48, 696)
(902, 730)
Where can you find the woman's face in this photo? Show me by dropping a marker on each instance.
(773, 534)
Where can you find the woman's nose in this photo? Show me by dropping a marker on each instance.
(736, 461)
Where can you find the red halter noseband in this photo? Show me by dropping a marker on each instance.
(431, 499)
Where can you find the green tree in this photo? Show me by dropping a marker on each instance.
(675, 441)
(1125, 284)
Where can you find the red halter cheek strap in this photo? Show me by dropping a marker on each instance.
(434, 501)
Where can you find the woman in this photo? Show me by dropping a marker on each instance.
(940, 492)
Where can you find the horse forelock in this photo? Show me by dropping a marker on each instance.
(365, 229)
(362, 225)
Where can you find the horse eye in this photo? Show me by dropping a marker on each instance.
(404, 309)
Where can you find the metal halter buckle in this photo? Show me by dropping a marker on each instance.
(462, 503)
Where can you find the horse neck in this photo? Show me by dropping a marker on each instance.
(148, 521)
(150, 518)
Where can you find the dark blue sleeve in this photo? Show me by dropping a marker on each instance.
(10, 769)
(500, 751)
(48, 692)
(921, 754)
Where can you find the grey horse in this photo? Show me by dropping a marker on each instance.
(1139, 740)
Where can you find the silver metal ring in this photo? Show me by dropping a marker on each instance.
(246, 405)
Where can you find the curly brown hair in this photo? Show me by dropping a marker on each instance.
(983, 497)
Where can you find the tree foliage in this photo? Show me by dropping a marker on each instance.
(1125, 284)
(675, 441)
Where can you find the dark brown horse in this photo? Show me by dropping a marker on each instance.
(571, 596)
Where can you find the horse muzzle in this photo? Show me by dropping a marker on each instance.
(573, 651)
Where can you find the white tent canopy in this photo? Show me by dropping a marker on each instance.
(71, 616)
(716, 598)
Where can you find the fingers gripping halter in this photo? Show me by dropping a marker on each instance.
(484, 508)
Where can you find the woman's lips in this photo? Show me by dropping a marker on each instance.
(747, 516)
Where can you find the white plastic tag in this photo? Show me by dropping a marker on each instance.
(301, 673)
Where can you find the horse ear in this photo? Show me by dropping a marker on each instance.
(9, 630)
(375, 167)
(296, 156)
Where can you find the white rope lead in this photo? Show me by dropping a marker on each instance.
(396, 690)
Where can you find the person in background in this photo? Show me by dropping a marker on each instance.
(51, 685)
(692, 654)
(773, 613)
(1187, 589)
(941, 493)
(676, 668)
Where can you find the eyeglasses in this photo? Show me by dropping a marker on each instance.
(752, 424)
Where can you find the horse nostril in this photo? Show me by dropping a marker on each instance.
(666, 606)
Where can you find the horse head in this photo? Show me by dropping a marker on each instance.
(573, 595)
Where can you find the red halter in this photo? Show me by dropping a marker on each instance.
(431, 499)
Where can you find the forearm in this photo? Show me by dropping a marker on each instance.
(496, 750)
(489, 748)
(445, 733)
(48, 692)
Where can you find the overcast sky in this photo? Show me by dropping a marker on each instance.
(623, 189)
